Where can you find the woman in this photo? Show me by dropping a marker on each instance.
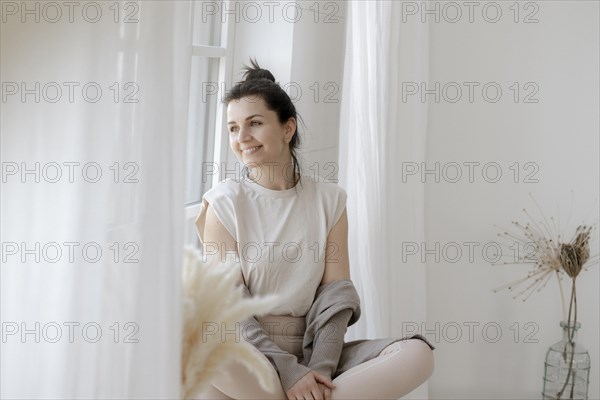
(290, 230)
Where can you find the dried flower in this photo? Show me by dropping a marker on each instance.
(573, 256)
(550, 255)
(210, 296)
(540, 244)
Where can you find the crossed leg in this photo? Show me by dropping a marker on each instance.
(399, 369)
(239, 383)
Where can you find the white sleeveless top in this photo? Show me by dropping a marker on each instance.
(281, 235)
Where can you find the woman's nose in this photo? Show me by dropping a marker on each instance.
(244, 134)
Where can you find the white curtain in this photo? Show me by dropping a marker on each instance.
(379, 136)
(99, 327)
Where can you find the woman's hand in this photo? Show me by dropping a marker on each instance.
(311, 386)
(325, 390)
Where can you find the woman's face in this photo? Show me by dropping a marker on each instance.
(255, 134)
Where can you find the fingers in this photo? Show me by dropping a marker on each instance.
(324, 380)
(305, 389)
(314, 394)
(313, 386)
(325, 390)
(317, 393)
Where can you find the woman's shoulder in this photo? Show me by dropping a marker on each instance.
(228, 187)
(326, 185)
(333, 198)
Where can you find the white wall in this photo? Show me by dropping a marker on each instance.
(560, 135)
(307, 56)
(317, 68)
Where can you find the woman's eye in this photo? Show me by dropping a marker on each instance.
(255, 123)
(233, 129)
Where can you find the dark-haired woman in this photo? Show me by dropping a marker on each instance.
(290, 231)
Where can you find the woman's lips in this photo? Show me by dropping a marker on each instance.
(251, 150)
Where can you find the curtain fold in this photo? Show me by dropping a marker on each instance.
(93, 237)
(379, 136)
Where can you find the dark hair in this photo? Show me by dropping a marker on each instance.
(261, 83)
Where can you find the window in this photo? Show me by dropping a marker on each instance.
(210, 75)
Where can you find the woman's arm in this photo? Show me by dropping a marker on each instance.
(216, 237)
(216, 234)
(329, 340)
(337, 265)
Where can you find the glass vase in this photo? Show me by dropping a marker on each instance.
(567, 362)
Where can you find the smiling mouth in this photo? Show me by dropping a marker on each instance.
(251, 150)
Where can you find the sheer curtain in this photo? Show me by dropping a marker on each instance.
(94, 119)
(379, 136)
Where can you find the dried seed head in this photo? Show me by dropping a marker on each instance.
(569, 260)
(539, 244)
(573, 256)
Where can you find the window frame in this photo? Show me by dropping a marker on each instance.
(224, 54)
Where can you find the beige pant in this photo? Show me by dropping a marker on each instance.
(399, 369)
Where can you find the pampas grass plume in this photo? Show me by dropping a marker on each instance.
(212, 300)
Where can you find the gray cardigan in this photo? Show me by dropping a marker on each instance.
(335, 307)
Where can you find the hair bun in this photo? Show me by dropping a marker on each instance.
(256, 72)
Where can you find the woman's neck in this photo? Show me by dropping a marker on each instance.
(274, 176)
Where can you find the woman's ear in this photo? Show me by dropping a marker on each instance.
(290, 128)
